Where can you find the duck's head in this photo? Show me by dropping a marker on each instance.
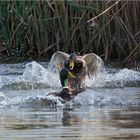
(72, 56)
(64, 75)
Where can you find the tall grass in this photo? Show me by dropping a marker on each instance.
(42, 27)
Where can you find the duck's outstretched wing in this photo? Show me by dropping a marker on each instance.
(94, 63)
(57, 61)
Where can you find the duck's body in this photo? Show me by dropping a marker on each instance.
(69, 81)
(88, 64)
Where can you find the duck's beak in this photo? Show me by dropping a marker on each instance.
(71, 65)
(70, 75)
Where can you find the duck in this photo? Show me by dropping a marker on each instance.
(75, 67)
(67, 93)
(69, 81)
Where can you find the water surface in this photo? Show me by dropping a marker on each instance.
(108, 109)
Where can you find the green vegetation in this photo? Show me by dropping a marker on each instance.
(39, 28)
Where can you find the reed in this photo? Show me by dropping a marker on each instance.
(42, 27)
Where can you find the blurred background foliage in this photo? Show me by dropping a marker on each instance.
(39, 28)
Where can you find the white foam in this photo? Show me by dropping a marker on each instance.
(94, 98)
(35, 76)
(97, 80)
(122, 77)
(3, 99)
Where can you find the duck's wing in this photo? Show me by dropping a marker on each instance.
(57, 61)
(94, 63)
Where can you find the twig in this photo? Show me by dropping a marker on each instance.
(131, 54)
(103, 11)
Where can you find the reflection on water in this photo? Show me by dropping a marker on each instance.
(108, 109)
(71, 123)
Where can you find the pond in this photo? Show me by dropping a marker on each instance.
(108, 109)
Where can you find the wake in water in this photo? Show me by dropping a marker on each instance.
(36, 76)
(98, 98)
(29, 101)
(100, 88)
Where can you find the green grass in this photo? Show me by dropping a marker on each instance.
(42, 27)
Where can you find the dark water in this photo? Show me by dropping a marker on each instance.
(108, 109)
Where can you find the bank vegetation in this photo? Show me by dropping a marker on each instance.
(39, 28)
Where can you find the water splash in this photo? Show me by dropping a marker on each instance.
(34, 76)
(35, 72)
(29, 101)
(100, 99)
(123, 78)
(97, 80)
